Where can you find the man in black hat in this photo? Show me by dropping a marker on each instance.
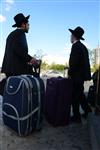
(79, 71)
(16, 59)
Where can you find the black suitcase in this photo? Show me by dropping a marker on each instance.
(58, 101)
(23, 104)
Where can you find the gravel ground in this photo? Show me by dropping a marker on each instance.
(72, 137)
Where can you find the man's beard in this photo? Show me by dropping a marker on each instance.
(26, 30)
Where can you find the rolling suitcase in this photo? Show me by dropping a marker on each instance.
(23, 104)
(58, 101)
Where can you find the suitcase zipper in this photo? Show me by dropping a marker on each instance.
(12, 87)
(16, 115)
(39, 102)
(29, 98)
(18, 118)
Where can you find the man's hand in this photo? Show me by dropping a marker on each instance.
(33, 61)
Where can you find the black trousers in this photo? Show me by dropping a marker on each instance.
(79, 99)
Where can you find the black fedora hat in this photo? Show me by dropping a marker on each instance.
(78, 32)
(19, 19)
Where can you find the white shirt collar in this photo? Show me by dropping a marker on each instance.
(75, 41)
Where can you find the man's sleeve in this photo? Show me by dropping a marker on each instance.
(21, 48)
(74, 60)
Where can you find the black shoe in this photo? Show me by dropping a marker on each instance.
(76, 119)
(85, 115)
(89, 109)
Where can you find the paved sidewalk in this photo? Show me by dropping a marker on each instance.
(94, 129)
(72, 137)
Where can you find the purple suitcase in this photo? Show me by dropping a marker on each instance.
(58, 101)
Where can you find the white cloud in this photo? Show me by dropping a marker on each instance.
(10, 1)
(2, 18)
(9, 4)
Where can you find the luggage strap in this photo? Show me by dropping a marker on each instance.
(15, 110)
(39, 102)
(39, 96)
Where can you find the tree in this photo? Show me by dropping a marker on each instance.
(58, 67)
(44, 66)
(93, 61)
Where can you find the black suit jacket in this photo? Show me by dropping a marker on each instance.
(79, 66)
(16, 56)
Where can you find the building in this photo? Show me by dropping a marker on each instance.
(97, 56)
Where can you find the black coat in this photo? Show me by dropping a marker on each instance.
(79, 66)
(16, 56)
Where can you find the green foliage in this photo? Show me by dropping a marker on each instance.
(44, 66)
(94, 65)
(58, 67)
(94, 68)
(53, 66)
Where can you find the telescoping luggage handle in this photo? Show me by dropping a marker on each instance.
(37, 68)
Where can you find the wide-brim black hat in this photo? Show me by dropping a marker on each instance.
(19, 19)
(78, 32)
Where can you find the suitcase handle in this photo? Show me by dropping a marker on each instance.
(36, 68)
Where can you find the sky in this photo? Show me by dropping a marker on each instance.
(49, 23)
